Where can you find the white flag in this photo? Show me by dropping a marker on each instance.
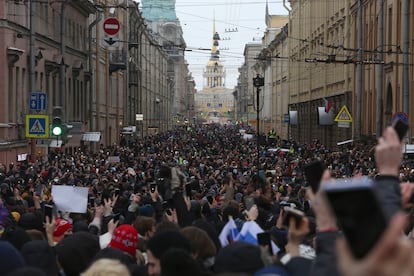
(249, 233)
(229, 233)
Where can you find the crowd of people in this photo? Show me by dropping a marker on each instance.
(184, 201)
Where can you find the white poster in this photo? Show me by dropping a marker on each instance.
(70, 198)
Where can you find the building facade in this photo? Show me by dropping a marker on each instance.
(215, 103)
(45, 46)
(268, 61)
(165, 28)
(101, 82)
(383, 32)
(317, 71)
(353, 54)
(279, 83)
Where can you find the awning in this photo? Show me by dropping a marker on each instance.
(91, 136)
(55, 143)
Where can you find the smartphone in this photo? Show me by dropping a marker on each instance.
(313, 174)
(210, 199)
(263, 239)
(358, 212)
(47, 212)
(38, 190)
(92, 201)
(289, 212)
(188, 190)
(153, 187)
(400, 127)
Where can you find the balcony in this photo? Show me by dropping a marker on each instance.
(117, 60)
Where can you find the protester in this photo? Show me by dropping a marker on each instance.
(106, 267)
(159, 244)
(191, 201)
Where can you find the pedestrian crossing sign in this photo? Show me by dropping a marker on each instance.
(37, 126)
(343, 116)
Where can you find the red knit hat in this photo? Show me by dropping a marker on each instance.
(125, 238)
(61, 227)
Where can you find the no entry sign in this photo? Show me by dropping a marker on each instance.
(111, 26)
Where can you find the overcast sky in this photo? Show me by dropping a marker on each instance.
(237, 21)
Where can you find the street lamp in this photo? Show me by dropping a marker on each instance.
(258, 82)
(157, 102)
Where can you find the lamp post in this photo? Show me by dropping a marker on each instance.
(157, 103)
(258, 82)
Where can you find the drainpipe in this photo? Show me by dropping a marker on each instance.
(406, 56)
(380, 71)
(359, 71)
(90, 67)
(62, 79)
(32, 46)
(32, 82)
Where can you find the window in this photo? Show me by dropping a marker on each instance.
(389, 25)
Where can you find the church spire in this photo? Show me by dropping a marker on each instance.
(214, 74)
(267, 15)
(267, 8)
(214, 48)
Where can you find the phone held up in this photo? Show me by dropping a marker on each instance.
(47, 212)
(263, 239)
(358, 212)
(289, 212)
(313, 174)
(153, 187)
(400, 127)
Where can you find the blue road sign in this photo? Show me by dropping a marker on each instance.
(400, 115)
(38, 101)
(37, 126)
(286, 118)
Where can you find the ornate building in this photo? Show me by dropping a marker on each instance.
(167, 32)
(45, 51)
(98, 81)
(337, 54)
(215, 103)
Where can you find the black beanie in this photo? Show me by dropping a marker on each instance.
(238, 257)
(76, 252)
(167, 239)
(39, 254)
(16, 236)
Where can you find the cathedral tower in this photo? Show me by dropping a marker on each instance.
(214, 75)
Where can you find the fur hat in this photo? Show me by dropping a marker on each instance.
(125, 238)
(61, 227)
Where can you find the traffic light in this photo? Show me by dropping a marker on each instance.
(57, 127)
